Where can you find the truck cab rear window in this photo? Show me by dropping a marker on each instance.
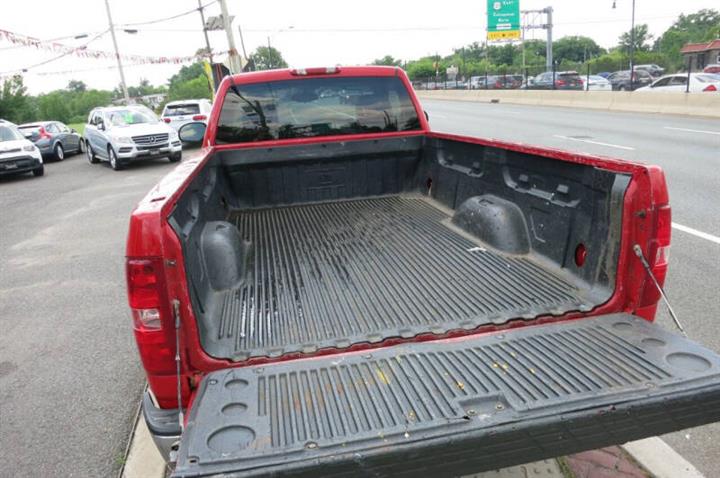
(315, 107)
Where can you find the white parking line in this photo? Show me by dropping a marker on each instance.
(693, 130)
(609, 145)
(695, 232)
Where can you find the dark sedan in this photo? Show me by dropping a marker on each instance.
(564, 80)
(53, 139)
(620, 80)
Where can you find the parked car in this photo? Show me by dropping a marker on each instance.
(714, 68)
(53, 138)
(620, 80)
(123, 134)
(180, 113)
(477, 82)
(654, 70)
(699, 82)
(342, 291)
(564, 80)
(598, 83)
(17, 153)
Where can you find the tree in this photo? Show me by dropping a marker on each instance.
(186, 73)
(575, 49)
(422, 69)
(642, 39)
(191, 89)
(76, 86)
(387, 60)
(15, 104)
(268, 58)
(701, 26)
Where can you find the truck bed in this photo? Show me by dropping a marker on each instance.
(339, 273)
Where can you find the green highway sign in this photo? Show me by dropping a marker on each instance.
(503, 19)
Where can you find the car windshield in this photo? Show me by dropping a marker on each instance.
(706, 78)
(180, 110)
(128, 117)
(315, 107)
(9, 134)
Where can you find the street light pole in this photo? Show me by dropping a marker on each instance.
(632, 48)
(123, 85)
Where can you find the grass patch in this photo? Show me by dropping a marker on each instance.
(79, 127)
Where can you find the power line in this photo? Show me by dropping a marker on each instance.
(165, 19)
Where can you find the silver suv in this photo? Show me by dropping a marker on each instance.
(126, 133)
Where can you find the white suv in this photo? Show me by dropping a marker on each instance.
(180, 113)
(17, 154)
(126, 133)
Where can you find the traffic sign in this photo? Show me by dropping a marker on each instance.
(503, 20)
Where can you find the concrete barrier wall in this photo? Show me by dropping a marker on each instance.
(693, 104)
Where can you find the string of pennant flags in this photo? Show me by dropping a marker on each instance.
(84, 52)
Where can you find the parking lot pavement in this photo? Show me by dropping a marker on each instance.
(70, 378)
(688, 154)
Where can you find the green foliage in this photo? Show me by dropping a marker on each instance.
(576, 48)
(15, 104)
(421, 69)
(71, 105)
(191, 89)
(187, 73)
(701, 26)
(387, 60)
(268, 58)
(642, 39)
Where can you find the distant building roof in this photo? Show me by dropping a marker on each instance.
(700, 47)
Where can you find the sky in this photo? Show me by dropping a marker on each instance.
(323, 32)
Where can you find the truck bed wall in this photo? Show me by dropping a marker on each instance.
(513, 202)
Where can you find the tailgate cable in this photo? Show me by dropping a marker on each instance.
(176, 312)
(646, 265)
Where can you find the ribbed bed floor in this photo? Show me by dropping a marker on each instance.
(334, 274)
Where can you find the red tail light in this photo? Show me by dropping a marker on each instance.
(560, 82)
(658, 254)
(199, 118)
(167, 120)
(44, 134)
(710, 88)
(152, 320)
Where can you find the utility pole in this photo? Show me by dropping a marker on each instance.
(207, 39)
(233, 57)
(123, 85)
(242, 44)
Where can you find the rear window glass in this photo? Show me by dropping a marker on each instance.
(706, 78)
(315, 107)
(181, 110)
(8, 133)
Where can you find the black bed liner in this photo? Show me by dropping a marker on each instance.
(447, 408)
(344, 272)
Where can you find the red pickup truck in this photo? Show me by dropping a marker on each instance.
(331, 288)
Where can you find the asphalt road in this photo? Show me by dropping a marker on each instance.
(688, 149)
(70, 377)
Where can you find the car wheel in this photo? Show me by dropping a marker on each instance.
(39, 171)
(622, 88)
(81, 146)
(114, 162)
(175, 157)
(90, 154)
(59, 152)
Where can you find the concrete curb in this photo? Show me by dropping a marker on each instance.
(143, 459)
(660, 459)
(694, 104)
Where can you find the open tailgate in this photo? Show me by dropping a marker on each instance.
(451, 407)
